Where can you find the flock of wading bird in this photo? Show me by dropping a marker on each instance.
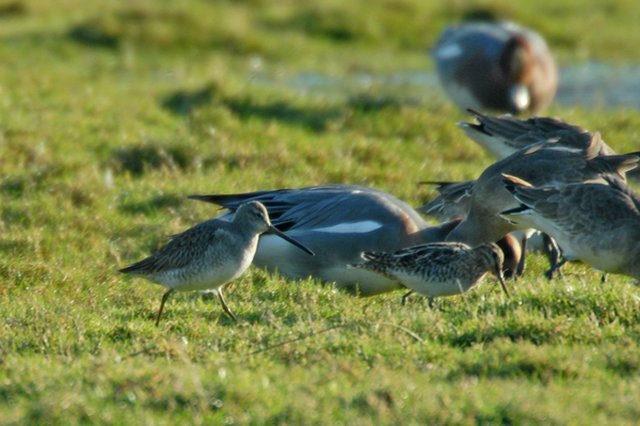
(553, 180)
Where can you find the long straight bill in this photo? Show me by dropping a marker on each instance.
(285, 237)
(502, 283)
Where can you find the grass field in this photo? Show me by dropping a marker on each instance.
(112, 112)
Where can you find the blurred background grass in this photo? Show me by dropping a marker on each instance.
(111, 112)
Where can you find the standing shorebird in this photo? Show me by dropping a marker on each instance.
(339, 222)
(210, 254)
(437, 269)
(598, 224)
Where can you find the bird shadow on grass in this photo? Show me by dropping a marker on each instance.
(312, 118)
(185, 102)
(179, 311)
(91, 35)
(367, 102)
(12, 9)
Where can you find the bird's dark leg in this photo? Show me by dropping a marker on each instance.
(405, 296)
(165, 296)
(224, 304)
(555, 268)
(552, 250)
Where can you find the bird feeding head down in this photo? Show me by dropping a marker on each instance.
(496, 261)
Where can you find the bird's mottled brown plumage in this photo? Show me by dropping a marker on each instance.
(438, 269)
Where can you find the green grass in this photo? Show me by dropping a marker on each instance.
(112, 112)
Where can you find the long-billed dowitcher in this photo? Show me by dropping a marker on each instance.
(496, 66)
(339, 222)
(210, 254)
(437, 269)
(596, 223)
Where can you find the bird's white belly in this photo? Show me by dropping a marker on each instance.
(434, 288)
(207, 278)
